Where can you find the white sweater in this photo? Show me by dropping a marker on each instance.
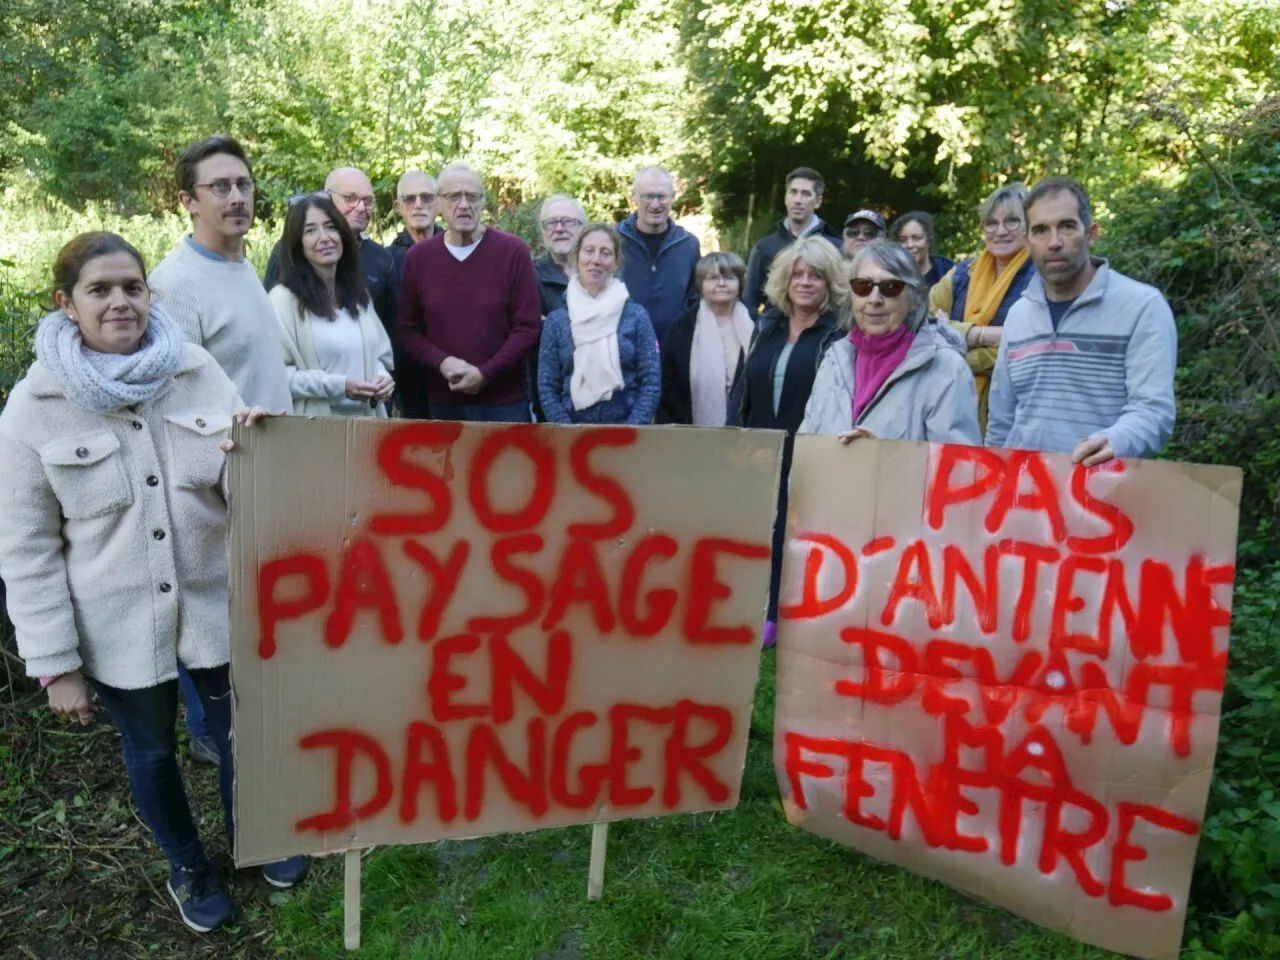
(113, 528)
(221, 306)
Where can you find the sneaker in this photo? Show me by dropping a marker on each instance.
(770, 634)
(203, 750)
(285, 873)
(200, 900)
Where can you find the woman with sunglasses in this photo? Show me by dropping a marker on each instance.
(976, 295)
(897, 376)
(337, 353)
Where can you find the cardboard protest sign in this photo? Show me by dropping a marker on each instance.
(1005, 673)
(445, 630)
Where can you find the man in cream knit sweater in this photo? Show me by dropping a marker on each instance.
(213, 292)
(207, 285)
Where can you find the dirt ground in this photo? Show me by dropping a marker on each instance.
(79, 875)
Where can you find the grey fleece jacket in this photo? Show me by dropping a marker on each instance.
(1106, 371)
(930, 397)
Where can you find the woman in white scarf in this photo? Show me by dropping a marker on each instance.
(113, 522)
(598, 361)
(704, 347)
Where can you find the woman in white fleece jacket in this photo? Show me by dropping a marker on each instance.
(113, 522)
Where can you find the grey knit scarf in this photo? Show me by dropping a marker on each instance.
(110, 381)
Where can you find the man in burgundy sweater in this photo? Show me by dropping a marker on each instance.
(469, 310)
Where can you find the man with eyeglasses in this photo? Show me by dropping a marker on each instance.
(208, 286)
(352, 193)
(804, 187)
(469, 310)
(659, 255)
(416, 204)
(862, 228)
(560, 220)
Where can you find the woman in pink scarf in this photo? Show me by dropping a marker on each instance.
(898, 375)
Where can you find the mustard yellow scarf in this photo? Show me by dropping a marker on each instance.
(986, 291)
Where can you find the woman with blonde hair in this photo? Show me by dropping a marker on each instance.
(807, 284)
(977, 293)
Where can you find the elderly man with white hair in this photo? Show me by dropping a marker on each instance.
(416, 204)
(659, 256)
(560, 220)
(469, 310)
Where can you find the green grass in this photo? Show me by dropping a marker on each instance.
(742, 884)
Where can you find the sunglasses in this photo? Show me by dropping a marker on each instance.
(862, 287)
(297, 198)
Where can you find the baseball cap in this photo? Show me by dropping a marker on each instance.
(870, 215)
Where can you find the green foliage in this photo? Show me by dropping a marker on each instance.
(1238, 864)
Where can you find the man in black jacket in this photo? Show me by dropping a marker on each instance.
(416, 204)
(803, 198)
(560, 220)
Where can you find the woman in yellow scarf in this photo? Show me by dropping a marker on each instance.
(976, 294)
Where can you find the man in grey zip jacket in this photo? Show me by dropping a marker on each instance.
(1087, 359)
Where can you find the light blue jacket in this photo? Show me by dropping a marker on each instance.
(1106, 371)
(930, 397)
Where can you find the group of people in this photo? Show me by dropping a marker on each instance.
(112, 501)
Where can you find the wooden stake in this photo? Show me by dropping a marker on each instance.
(595, 876)
(351, 904)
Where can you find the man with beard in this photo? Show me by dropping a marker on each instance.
(213, 292)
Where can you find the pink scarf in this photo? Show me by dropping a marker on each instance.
(874, 359)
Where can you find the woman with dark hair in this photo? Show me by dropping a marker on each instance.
(914, 231)
(337, 352)
(113, 524)
(598, 360)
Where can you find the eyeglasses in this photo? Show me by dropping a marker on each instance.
(471, 196)
(1011, 224)
(411, 199)
(861, 233)
(222, 188)
(655, 197)
(355, 200)
(298, 198)
(561, 223)
(862, 287)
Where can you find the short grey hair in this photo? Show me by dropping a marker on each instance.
(562, 198)
(894, 259)
(1011, 195)
(460, 167)
(411, 173)
(643, 171)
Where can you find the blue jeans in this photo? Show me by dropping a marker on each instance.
(482, 413)
(195, 713)
(146, 719)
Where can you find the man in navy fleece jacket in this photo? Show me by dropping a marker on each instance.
(469, 310)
